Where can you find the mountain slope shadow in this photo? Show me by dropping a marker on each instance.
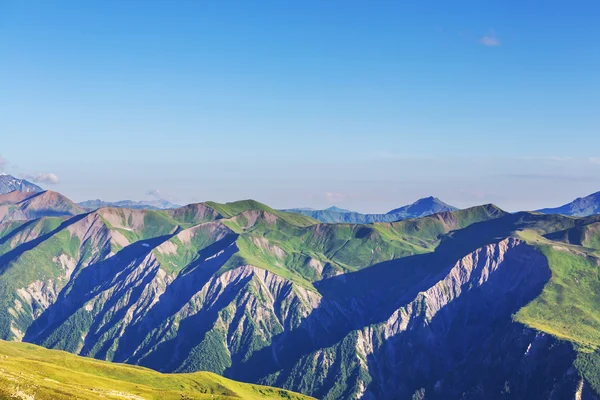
(504, 286)
(169, 354)
(350, 302)
(178, 293)
(15, 253)
(15, 231)
(371, 295)
(89, 283)
(464, 333)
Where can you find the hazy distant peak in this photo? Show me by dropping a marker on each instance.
(337, 209)
(143, 204)
(423, 206)
(580, 207)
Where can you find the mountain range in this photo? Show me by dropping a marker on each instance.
(144, 204)
(465, 304)
(420, 208)
(580, 207)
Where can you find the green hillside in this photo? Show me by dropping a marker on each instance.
(31, 372)
(238, 207)
(569, 305)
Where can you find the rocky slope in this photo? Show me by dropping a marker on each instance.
(453, 305)
(9, 183)
(424, 339)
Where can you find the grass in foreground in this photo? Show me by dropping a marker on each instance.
(32, 372)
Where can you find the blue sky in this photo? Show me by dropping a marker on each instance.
(366, 105)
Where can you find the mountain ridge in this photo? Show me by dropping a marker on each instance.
(421, 207)
(141, 204)
(580, 207)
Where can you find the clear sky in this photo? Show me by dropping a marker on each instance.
(368, 105)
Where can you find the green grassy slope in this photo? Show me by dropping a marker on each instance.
(8, 226)
(306, 254)
(42, 262)
(569, 305)
(228, 210)
(138, 224)
(28, 371)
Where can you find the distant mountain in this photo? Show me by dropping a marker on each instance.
(581, 207)
(420, 208)
(139, 205)
(9, 183)
(20, 206)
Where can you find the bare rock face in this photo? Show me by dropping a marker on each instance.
(470, 273)
(129, 309)
(423, 340)
(9, 183)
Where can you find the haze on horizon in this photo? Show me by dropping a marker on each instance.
(303, 104)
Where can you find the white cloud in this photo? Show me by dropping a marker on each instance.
(490, 39)
(48, 178)
(595, 160)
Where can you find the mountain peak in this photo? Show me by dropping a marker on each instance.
(429, 199)
(423, 206)
(9, 183)
(580, 207)
(32, 205)
(338, 209)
